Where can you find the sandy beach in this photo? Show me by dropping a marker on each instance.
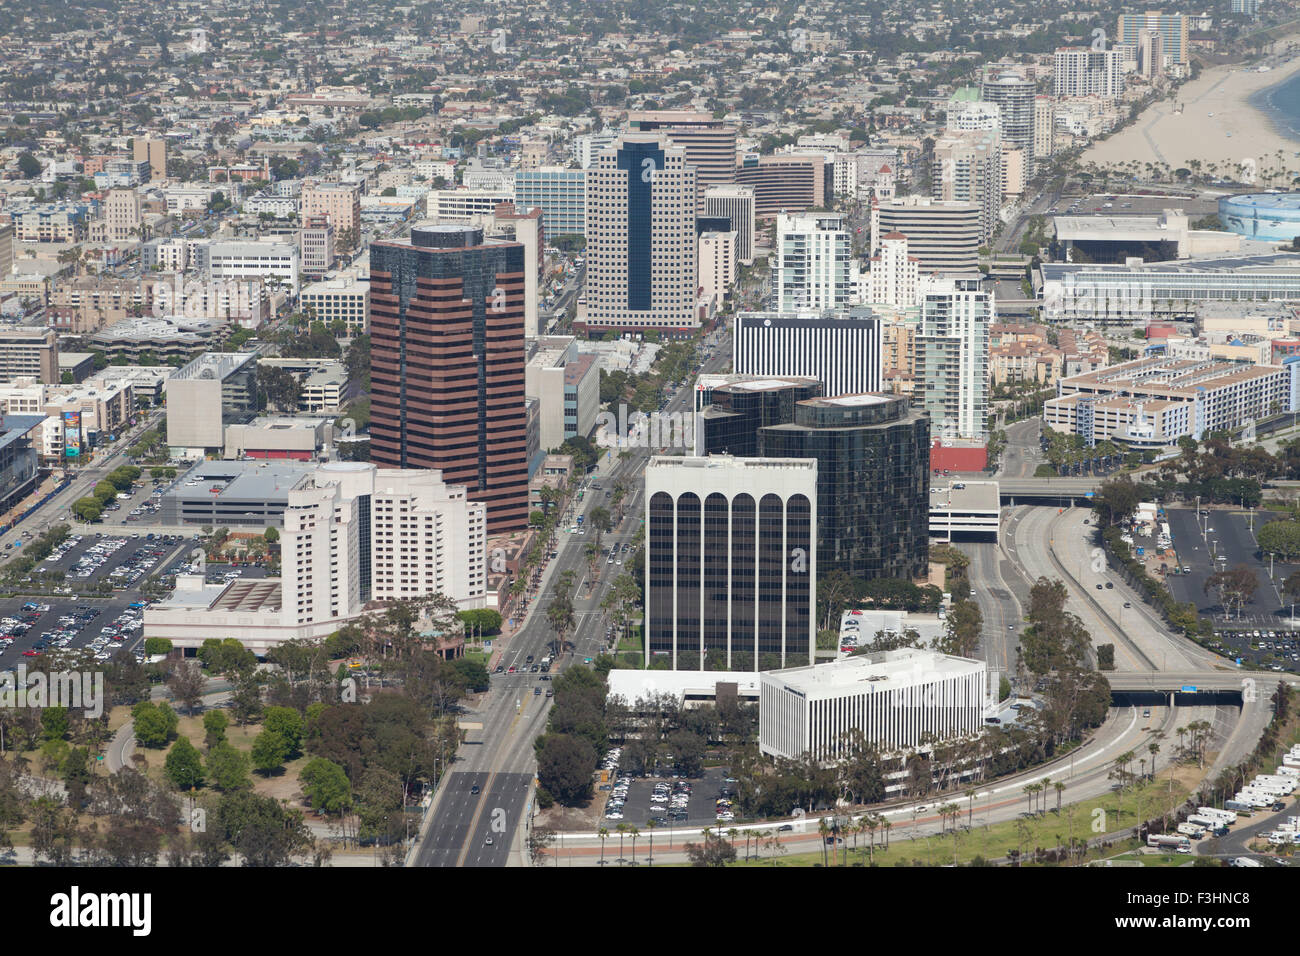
(1213, 106)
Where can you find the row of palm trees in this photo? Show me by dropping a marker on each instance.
(831, 830)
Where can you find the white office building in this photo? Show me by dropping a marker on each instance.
(896, 699)
(736, 203)
(895, 274)
(717, 259)
(469, 206)
(261, 259)
(814, 263)
(841, 349)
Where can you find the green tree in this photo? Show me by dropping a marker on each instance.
(1116, 501)
(565, 768)
(326, 785)
(227, 768)
(215, 723)
(287, 724)
(184, 765)
(54, 723)
(1281, 538)
(269, 752)
(155, 724)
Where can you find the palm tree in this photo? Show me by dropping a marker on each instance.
(969, 793)
(650, 831)
(603, 833)
(1060, 789)
(824, 829)
(634, 833)
(622, 829)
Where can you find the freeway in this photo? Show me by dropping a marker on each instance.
(499, 757)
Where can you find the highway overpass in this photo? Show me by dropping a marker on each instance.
(1192, 688)
(1046, 491)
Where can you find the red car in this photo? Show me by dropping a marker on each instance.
(511, 671)
(29, 654)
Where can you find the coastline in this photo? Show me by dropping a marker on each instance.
(1262, 101)
(1241, 127)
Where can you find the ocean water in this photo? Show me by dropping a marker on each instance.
(1281, 104)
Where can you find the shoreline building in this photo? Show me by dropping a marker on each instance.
(447, 363)
(1016, 95)
(731, 563)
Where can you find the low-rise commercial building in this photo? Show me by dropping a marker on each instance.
(29, 353)
(213, 391)
(896, 699)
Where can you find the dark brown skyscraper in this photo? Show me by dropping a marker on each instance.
(447, 364)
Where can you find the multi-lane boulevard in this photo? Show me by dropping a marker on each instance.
(497, 755)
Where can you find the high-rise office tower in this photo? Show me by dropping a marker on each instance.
(641, 245)
(841, 349)
(1015, 94)
(738, 409)
(737, 204)
(944, 236)
(709, 144)
(731, 562)
(968, 168)
(814, 263)
(786, 182)
(1083, 71)
(952, 356)
(1044, 127)
(1172, 27)
(873, 481)
(1151, 53)
(447, 363)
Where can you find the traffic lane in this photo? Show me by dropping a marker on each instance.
(503, 811)
(451, 823)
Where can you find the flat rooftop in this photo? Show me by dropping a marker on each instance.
(634, 685)
(966, 496)
(884, 670)
(243, 480)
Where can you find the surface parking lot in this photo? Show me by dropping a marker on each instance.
(1224, 540)
(1270, 649)
(122, 558)
(638, 807)
(28, 626)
